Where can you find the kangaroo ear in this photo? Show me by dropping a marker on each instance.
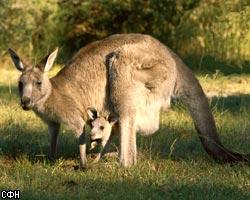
(16, 60)
(47, 62)
(92, 113)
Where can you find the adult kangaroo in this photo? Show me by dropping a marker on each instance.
(132, 74)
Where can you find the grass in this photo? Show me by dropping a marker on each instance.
(171, 164)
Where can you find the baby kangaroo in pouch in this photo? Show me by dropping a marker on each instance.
(103, 125)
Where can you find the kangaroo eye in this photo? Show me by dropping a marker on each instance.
(39, 82)
(101, 127)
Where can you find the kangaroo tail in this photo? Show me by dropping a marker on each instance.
(192, 95)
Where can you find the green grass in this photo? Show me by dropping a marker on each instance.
(171, 164)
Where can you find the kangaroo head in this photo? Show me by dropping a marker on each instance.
(101, 124)
(34, 85)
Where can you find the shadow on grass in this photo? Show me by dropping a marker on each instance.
(98, 189)
(234, 104)
(18, 139)
(132, 189)
(184, 143)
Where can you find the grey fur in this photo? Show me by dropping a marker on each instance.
(133, 75)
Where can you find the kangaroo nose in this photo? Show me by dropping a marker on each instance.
(25, 103)
(25, 100)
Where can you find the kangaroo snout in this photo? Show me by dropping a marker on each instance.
(26, 103)
(95, 136)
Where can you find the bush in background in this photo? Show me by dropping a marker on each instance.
(206, 32)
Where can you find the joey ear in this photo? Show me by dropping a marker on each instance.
(112, 120)
(107, 116)
(92, 113)
(46, 63)
(16, 60)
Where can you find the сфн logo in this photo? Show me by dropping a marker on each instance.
(10, 194)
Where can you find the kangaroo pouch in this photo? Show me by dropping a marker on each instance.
(148, 114)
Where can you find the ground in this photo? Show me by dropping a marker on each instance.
(171, 164)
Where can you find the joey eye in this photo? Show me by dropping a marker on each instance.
(101, 127)
(39, 82)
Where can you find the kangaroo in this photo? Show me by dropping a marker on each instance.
(134, 75)
(102, 126)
